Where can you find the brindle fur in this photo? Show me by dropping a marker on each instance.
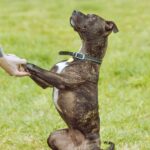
(78, 86)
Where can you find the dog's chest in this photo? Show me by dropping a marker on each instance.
(60, 68)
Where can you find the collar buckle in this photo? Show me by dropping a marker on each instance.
(79, 55)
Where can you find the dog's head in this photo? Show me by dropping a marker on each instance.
(91, 26)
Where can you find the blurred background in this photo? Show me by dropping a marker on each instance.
(37, 30)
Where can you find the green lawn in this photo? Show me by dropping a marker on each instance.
(37, 30)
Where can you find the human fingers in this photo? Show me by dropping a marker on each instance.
(21, 73)
(20, 61)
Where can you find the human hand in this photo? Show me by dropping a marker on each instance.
(12, 65)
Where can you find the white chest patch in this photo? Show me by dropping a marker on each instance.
(60, 66)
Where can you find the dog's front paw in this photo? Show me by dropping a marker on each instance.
(31, 68)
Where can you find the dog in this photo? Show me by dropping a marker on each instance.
(75, 84)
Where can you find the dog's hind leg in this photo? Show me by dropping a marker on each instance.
(59, 140)
(112, 145)
(66, 139)
(93, 141)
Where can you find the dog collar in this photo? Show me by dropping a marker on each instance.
(81, 56)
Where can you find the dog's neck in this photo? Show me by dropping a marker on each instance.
(95, 48)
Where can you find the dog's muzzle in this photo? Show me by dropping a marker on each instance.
(76, 18)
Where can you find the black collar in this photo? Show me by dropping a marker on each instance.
(81, 56)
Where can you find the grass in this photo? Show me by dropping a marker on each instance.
(37, 30)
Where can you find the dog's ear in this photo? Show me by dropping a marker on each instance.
(111, 26)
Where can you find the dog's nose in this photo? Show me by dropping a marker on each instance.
(74, 12)
(77, 13)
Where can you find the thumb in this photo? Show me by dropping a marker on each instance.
(21, 61)
(21, 74)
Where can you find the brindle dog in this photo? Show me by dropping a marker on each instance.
(75, 86)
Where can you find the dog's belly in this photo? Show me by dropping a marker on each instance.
(60, 68)
(79, 110)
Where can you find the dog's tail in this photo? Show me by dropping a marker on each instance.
(112, 145)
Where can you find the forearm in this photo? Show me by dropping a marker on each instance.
(40, 82)
(56, 80)
(1, 52)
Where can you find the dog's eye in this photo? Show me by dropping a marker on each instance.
(93, 18)
(84, 27)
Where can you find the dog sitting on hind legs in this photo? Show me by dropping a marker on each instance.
(75, 85)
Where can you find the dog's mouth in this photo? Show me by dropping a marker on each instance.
(72, 22)
(73, 19)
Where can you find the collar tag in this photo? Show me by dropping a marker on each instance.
(70, 59)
